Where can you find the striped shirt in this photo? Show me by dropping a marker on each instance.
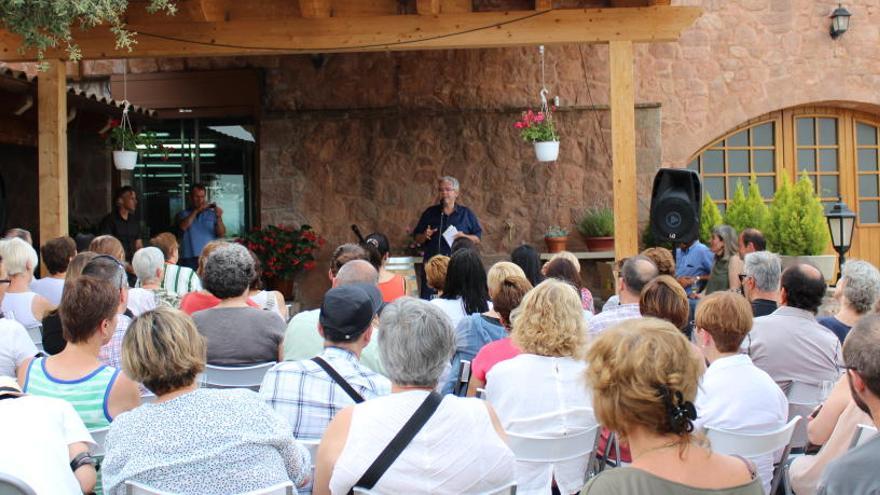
(180, 280)
(89, 395)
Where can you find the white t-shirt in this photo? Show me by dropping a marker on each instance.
(15, 346)
(454, 309)
(50, 288)
(35, 450)
(141, 300)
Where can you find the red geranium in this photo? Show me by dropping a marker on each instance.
(283, 250)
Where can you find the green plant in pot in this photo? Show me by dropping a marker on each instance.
(797, 228)
(556, 238)
(597, 227)
(125, 144)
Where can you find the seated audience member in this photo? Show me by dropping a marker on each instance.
(734, 394)
(462, 243)
(546, 378)
(857, 291)
(465, 291)
(270, 300)
(98, 392)
(111, 246)
(148, 264)
(509, 296)
(111, 270)
(693, 263)
(22, 234)
(391, 284)
(416, 345)
(45, 444)
(751, 241)
(665, 263)
(728, 265)
(573, 278)
(16, 346)
(644, 378)
(203, 299)
(211, 440)
(634, 274)
(57, 254)
(176, 279)
(833, 428)
(53, 336)
(529, 260)
(856, 470)
(20, 303)
(789, 344)
(435, 273)
(479, 329)
(237, 333)
(664, 298)
(761, 276)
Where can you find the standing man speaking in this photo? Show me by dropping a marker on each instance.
(441, 224)
(200, 224)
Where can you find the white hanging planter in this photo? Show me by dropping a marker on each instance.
(547, 151)
(125, 160)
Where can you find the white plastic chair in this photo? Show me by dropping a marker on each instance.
(756, 444)
(803, 398)
(235, 376)
(100, 438)
(460, 388)
(148, 398)
(135, 488)
(36, 334)
(863, 434)
(312, 446)
(10, 485)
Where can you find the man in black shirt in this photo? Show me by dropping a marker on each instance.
(760, 278)
(121, 222)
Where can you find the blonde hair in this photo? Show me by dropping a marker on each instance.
(498, 273)
(163, 350)
(550, 321)
(632, 366)
(109, 245)
(727, 317)
(435, 271)
(567, 255)
(203, 257)
(19, 256)
(165, 242)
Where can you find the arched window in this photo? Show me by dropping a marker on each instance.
(867, 172)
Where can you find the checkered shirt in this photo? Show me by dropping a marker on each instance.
(613, 316)
(304, 394)
(111, 352)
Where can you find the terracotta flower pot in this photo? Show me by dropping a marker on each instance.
(556, 244)
(599, 243)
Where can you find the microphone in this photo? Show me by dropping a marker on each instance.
(357, 232)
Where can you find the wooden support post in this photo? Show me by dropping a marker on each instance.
(52, 148)
(623, 150)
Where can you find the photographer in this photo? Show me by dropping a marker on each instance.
(200, 224)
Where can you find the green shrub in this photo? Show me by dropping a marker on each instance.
(797, 225)
(750, 211)
(710, 217)
(597, 222)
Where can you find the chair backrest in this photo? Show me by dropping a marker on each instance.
(312, 446)
(36, 334)
(10, 485)
(751, 444)
(100, 438)
(235, 376)
(803, 398)
(863, 434)
(148, 398)
(135, 488)
(464, 377)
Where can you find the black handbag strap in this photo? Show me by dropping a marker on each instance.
(400, 441)
(355, 396)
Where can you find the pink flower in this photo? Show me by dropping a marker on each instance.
(519, 125)
(539, 118)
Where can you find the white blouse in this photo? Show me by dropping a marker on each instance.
(456, 451)
(529, 386)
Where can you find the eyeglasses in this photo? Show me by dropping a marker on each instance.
(742, 278)
(5, 281)
(122, 279)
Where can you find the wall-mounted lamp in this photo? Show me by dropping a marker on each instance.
(839, 21)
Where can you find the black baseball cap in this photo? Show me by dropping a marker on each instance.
(348, 310)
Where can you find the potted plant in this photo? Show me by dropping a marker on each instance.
(126, 143)
(797, 228)
(539, 129)
(283, 251)
(555, 237)
(597, 227)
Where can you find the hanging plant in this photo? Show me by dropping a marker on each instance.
(47, 24)
(538, 127)
(126, 143)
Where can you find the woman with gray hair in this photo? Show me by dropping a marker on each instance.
(237, 333)
(857, 291)
(149, 266)
(460, 449)
(728, 265)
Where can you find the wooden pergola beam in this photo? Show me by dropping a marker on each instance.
(623, 150)
(381, 33)
(428, 7)
(52, 149)
(314, 9)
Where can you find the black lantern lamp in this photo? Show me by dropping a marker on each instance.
(839, 21)
(841, 222)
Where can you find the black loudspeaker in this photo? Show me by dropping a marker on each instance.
(676, 202)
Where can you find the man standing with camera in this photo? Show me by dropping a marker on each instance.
(200, 224)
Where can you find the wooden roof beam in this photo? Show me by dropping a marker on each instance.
(428, 7)
(314, 8)
(203, 10)
(381, 33)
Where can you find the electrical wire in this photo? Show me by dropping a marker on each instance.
(344, 48)
(592, 103)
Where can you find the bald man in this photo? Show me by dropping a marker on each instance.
(635, 273)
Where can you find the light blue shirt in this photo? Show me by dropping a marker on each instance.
(693, 261)
(198, 234)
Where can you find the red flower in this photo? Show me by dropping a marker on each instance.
(309, 265)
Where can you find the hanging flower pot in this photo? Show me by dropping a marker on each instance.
(125, 160)
(547, 151)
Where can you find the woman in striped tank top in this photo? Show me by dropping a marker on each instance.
(98, 393)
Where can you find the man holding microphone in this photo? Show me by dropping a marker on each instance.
(441, 224)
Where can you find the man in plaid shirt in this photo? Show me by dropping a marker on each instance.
(634, 275)
(306, 394)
